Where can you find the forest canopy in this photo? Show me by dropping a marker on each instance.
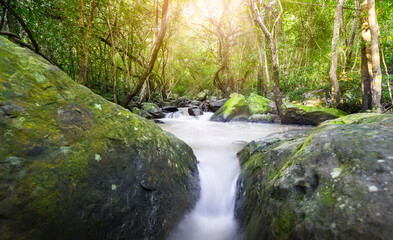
(144, 50)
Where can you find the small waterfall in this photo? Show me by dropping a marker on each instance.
(215, 146)
(181, 113)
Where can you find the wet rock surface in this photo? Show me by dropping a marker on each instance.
(75, 166)
(331, 182)
(255, 108)
(308, 115)
(194, 111)
(153, 109)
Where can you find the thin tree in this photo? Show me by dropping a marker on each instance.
(84, 36)
(273, 44)
(153, 54)
(333, 66)
(376, 86)
(370, 65)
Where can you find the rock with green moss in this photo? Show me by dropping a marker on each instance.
(153, 110)
(308, 115)
(259, 104)
(238, 108)
(331, 182)
(142, 113)
(75, 166)
(235, 107)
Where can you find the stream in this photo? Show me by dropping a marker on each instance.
(215, 145)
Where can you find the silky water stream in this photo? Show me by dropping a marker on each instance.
(215, 145)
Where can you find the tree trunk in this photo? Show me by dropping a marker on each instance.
(113, 54)
(387, 75)
(376, 85)
(84, 39)
(153, 55)
(333, 67)
(276, 79)
(366, 77)
(273, 46)
(352, 36)
(366, 66)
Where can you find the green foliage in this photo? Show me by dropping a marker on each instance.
(191, 54)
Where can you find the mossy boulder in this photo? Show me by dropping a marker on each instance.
(331, 182)
(238, 108)
(142, 113)
(75, 166)
(259, 105)
(235, 107)
(308, 115)
(153, 110)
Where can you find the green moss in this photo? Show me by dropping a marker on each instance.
(309, 109)
(150, 107)
(360, 118)
(305, 143)
(326, 194)
(258, 104)
(236, 100)
(284, 224)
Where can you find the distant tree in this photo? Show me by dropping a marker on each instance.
(257, 10)
(153, 54)
(370, 66)
(84, 36)
(333, 66)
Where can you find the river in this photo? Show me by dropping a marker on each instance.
(215, 145)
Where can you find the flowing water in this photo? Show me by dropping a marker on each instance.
(215, 145)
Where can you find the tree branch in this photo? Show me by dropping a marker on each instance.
(23, 24)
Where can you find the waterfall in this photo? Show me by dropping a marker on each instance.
(215, 145)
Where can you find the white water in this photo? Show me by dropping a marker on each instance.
(215, 145)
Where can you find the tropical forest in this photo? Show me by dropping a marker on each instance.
(196, 119)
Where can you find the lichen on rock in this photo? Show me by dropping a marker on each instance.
(331, 182)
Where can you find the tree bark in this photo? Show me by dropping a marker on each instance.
(113, 54)
(376, 86)
(333, 67)
(352, 36)
(84, 39)
(366, 66)
(366, 77)
(153, 54)
(273, 47)
(387, 74)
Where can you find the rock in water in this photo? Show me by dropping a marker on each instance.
(153, 110)
(75, 166)
(333, 182)
(170, 109)
(235, 108)
(194, 111)
(307, 115)
(214, 105)
(238, 108)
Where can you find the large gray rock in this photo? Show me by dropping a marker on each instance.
(331, 182)
(75, 166)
